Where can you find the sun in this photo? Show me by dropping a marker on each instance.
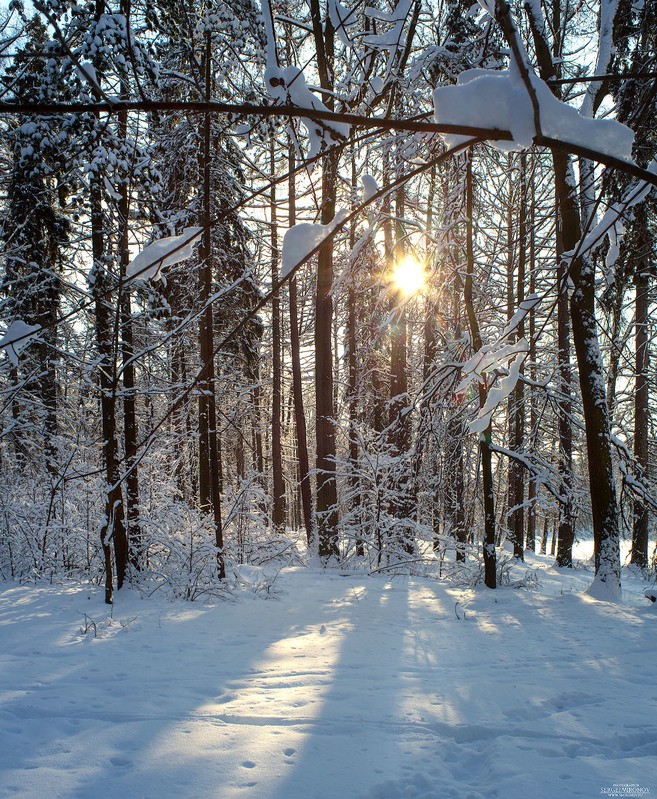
(408, 276)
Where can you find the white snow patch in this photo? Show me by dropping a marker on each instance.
(399, 697)
(17, 336)
(370, 187)
(288, 86)
(499, 100)
(499, 392)
(301, 239)
(164, 252)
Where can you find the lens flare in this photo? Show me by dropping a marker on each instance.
(408, 276)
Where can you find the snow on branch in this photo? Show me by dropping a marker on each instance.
(288, 86)
(493, 356)
(500, 391)
(300, 240)
(497, 99)
(611, 225)
(18, 335)
(163, 252)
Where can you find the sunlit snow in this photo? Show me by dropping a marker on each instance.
(500, 100)
(351, 687)
(164, 252)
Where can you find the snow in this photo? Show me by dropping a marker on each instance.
(272, 55)
(608, 10)
(393, 40)
(370, 187)
(300, 240)
(611, 224)
(338, 686)
(164, 252)
(17, 336)
(530, 302)
(342, 19)
(498, 99)
(490, 356)
(288, 86)
(499, 392)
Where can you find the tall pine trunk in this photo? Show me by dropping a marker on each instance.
(297, 383)
(485, 440)
(641, 391)
(209, 468)
(278, 483)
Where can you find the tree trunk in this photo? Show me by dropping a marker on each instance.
(297, 384)
(585, 338)
(209, 478)
(130, 430)
(327, 498)
(113, 527)
(566, 528)
(403, 507)
(516, 403)
(532, 490)
(352, 375)
(641, 391)
(278, 483)
(489, 554)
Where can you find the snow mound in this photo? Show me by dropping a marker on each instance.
(17, 336)
(164, 252)
(300, 240)
(499, 99)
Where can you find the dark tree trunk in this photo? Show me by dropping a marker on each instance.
(352, 374)
(532, 489)
(585, 338)
(278, 483)
(297, 385)
(130, 430)
(485, 441)
(209, 464)
(566, 527)
(598, 439)
(327, 498)
(641, 392)
(403, 508)
(516, 404)
(113, 526)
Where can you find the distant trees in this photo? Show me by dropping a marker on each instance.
(180, 413)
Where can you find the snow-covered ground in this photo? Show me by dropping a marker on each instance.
(337, 687)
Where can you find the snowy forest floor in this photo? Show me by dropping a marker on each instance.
(336, 687)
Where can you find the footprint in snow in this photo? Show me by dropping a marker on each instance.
(248, 764)
(120, 761)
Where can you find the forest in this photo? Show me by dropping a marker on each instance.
(360, 286)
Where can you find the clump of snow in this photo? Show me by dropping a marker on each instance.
(164, 252)
(17, 336)
(499, 99)
(611, 224)
(607, 590)
(530, 302)
(391, 40)
(342, 20)
(370, 187)
(288, 85)
(493, 357)
(499, 392)
(490, 356)
(300, 240)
